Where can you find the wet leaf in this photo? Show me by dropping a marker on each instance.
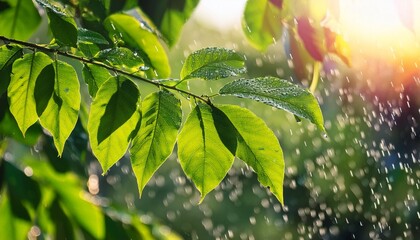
(8, 54)
(122, 57)
(157, 136)
(258, 147)
(62, 111)
(280, 94)
(19, 20)
(203, 156)
(61, 23)
(95, 76)
(86, 35)
(113, 116)
(212, 64)
(262, 21)
(22, 87)
(133, 34)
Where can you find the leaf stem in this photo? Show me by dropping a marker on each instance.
(315, 76)
(101, 64)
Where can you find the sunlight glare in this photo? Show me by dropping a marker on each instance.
(376, 26)
(371, 17)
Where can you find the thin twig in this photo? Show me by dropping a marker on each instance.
(101, 64)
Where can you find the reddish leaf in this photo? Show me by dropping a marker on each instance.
(300, 58)
(312, 38)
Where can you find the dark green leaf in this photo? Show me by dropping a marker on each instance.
(85, 35)
(62, 111)
(10, 128)
(122, 57)
(154, 143)
(21, 186)
(280, 94)
(213, 63)
(203, 156)
(20, 20)
(95, 76)
(132, 32)
(8, 54)
(62, 24)
(262, 22)
(258, 147)
(44, 88)
(22, 86)
(113, 116)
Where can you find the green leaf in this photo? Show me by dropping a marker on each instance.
(8, 54)
(113, 117)
(258, 147)
(12, 226)
(175, 15)
(95, 76)
(213, 63)
(138, 37)
(71, 197)
(278, 93)
(61, 113)
(122, 57)
(9, 128)
(88, 49)
(19, 19)
(62, 24)
(203, 156)
(22, 86)
(154, 143)
(86, 35)
(88, 41)
(262, 22)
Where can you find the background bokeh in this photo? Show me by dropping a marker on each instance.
(362, 181)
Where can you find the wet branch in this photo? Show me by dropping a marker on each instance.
(103, 65)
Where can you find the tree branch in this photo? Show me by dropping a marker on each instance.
(103, 65)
